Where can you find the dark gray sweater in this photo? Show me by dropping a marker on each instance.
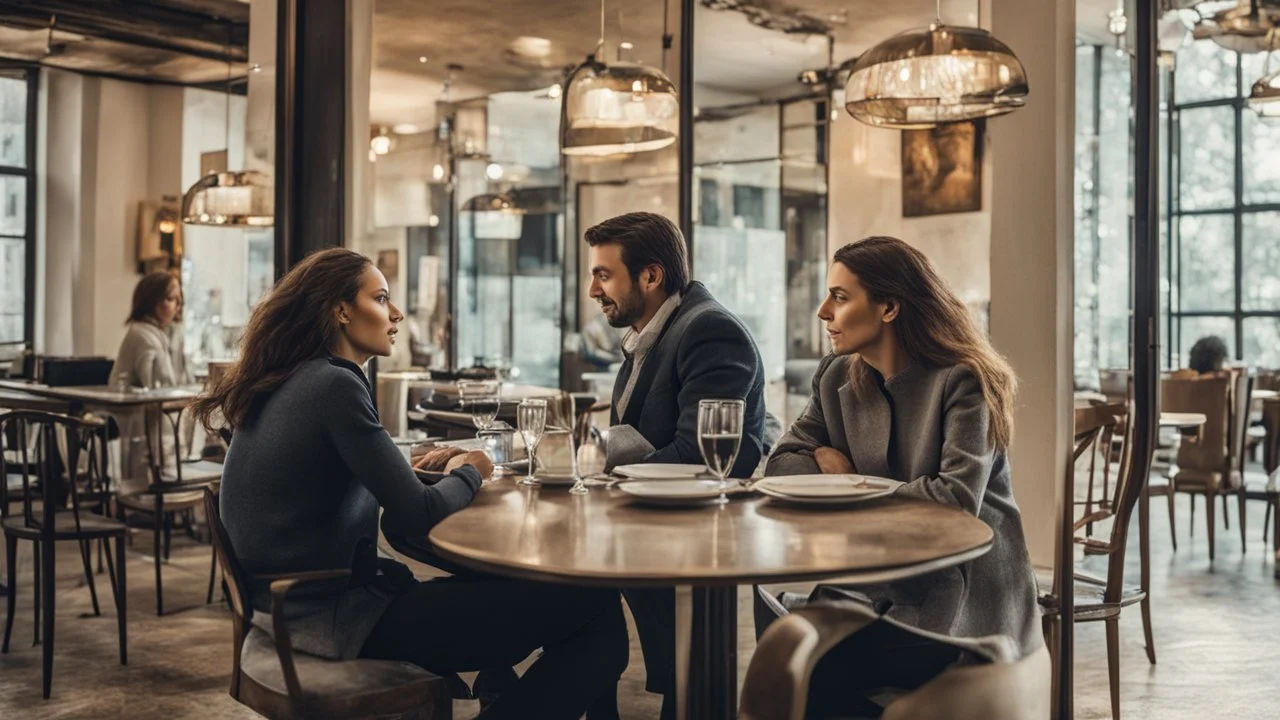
(301, 488)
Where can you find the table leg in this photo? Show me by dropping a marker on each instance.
(707, 652)
(1274, 499)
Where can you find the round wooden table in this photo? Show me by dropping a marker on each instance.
(705, 552)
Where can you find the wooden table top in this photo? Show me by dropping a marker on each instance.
(17, 400)
(105, 395)
(601, 538)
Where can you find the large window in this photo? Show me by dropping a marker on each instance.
(1223, 234)
(17, 197)
(1103, 202)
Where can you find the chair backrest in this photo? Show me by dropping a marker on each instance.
(232, 573)
(1238, 427)
(43, 474)
(1209, 395)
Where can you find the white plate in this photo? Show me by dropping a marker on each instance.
(826, 489)
(661, 471)
(673, 492)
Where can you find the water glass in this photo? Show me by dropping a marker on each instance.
(481, 398)
(589, 461)
(531, 418)
(720, 437)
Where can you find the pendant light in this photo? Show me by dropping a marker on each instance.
(1264, 97)
(939, 74)
(614, 109)
(230, 199)
(495, 216)
(1247, 26)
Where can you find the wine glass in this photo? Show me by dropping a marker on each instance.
(588, 461)
(719, 437)
(531, 417)
(481, 397)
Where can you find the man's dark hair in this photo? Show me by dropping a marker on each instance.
(1208, 354)
(646, 239)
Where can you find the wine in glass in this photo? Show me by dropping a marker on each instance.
(481, 398)
(531, 417)
(720, 436)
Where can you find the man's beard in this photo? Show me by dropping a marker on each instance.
(627, 311)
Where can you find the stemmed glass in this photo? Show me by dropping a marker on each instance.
(719, 437)
(531, 417)
(481, 396)
(588, 461)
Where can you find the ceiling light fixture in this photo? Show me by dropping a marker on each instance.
(1264, 97)
(938, 74)
(494, 216)
(1247, 26)
(613, 109)
(233, 199)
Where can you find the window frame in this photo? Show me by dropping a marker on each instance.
(31, 74)
(1236, 211)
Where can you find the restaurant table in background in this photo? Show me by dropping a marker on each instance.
(392, 396)
(601, 538)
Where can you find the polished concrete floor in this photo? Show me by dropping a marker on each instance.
(1216, 632)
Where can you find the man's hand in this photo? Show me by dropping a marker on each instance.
(832, 462)
(476, 459)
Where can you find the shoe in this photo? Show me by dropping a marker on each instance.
(490, 684)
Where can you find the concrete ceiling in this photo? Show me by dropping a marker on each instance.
(525, 44)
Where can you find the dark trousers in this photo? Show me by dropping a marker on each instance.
(880, 656)
(472, 623)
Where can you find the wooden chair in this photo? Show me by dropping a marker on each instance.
(777, 681)
(1102, 599)
(271, 679)
(167, 497)
(52, 525)
(1213, 465)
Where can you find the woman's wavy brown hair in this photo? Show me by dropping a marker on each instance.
(294, 323)
(933, 325)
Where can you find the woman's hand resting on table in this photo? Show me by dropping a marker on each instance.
(476, 459)
(832, 462)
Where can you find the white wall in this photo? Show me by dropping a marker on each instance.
(120, 184)
(865, 186)
(108, 146)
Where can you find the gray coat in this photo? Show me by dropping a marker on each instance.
(928, 428)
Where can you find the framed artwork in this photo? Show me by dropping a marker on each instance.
(389, 264)
(942, 169)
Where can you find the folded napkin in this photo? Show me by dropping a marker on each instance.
(624, 445)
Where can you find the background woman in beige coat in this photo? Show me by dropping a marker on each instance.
(149, 358)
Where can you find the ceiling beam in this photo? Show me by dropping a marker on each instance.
(163, 25)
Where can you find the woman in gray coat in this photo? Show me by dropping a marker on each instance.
(149, 358)
(914, 391)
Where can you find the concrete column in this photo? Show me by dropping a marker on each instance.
(1031, 255)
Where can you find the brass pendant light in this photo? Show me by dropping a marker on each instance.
(619, 108)
(938, 74)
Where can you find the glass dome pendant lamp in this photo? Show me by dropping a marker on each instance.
(613, 109)
(1247, 26)
(939, 74)
(230, 198)
(1264, 97)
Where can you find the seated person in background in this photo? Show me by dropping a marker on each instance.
(150, 356)
(681, 347)
(308, 469)
(1208, 355)
(912, 391)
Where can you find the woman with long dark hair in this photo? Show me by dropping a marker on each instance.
(310, 465)
(913, 391)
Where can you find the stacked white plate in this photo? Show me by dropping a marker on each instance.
(675, 491)
(826, 489)
(661, 471)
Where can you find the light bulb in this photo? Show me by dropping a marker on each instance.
(494, 171)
